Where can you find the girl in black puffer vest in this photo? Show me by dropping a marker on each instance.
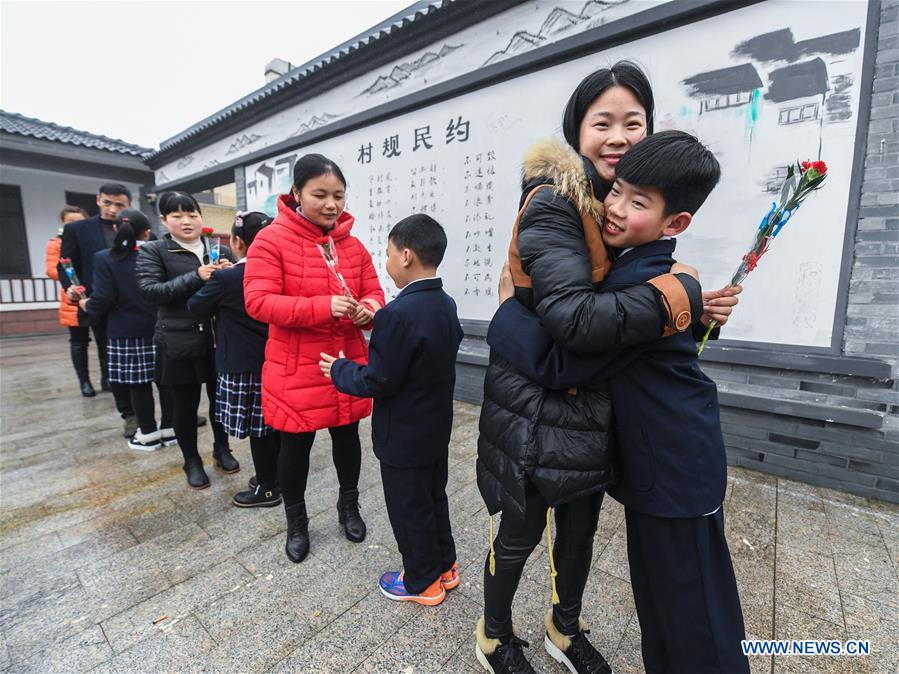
(540, 449)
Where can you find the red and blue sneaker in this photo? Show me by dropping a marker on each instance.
(393, 588)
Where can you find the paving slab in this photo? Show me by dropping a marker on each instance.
(108, 563)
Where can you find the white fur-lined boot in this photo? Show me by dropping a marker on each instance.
(501, 656)
(574, 651)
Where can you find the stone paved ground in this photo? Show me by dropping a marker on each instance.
(108, 563)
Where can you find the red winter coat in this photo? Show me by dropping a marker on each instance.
(288, 285)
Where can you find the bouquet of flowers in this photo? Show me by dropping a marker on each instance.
(71, 275)
(802, 179)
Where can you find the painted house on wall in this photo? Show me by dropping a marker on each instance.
(45, 167)
(785, 92)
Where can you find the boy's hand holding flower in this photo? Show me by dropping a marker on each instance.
(718, 305)
(327, 361)
(83, 303)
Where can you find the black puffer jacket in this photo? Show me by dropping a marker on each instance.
(558, 440)
(167, 277)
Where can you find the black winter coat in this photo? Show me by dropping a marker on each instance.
(559, 441)
(239, 339)
(116, 300)
(167, 276)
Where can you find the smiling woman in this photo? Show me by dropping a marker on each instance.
(315, 286)
(542, 449)
(169, 271)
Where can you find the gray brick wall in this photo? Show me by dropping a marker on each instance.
(872, 327)
(823, 427)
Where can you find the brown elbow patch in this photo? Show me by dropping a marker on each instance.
(676, 302)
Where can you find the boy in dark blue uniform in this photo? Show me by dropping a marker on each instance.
(411, 375)
(673, 467)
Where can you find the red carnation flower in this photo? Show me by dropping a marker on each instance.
(208, 230)
(820, 167)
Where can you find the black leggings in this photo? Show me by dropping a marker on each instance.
(141, 396)
(293, 460)
(265, 458)
(186, 400)
(572, 553)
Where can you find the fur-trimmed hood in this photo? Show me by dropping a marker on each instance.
(555, 162)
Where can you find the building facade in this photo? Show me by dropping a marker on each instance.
(431, 111)
(44, 167)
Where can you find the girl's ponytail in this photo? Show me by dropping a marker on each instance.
(130, 225)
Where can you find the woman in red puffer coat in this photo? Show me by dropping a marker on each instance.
(316, 287)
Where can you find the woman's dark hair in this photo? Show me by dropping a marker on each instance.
(623, 74)
(72, 209)
(130, 225)
(170, 202)
(248, 225)
(311, 166)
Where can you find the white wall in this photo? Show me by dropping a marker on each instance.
(43, 196)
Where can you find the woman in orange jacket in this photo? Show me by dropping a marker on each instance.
(79, 336)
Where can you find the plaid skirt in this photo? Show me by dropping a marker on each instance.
(238, 404)
(131, 360)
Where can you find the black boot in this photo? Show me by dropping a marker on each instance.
(224, 459)
(258, 497)
(297, 532)
(196, 476)
(79, 361)
(348, 515)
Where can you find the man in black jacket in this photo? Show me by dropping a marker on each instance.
(80, 241)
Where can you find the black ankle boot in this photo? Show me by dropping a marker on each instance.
(78, 352)
(297, 532)
(225, 460)
(196, 476)
(348, 515)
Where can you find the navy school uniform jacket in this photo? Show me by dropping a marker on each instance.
(115, 296)
(667, 423)
(411, 374)
(239, 339)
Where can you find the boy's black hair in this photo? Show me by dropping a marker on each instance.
(684, 170)
(114, 189)
(311, 166)
(170, 202)
(421, 234)
(130, 224)
(247, 225)
(623, 74)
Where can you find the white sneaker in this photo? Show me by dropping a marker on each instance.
(145, 443)
(167, 437)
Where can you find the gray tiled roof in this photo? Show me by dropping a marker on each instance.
(385, 29)
(13, 123)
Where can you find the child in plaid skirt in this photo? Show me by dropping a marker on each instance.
(239, 354)
(130, 321)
